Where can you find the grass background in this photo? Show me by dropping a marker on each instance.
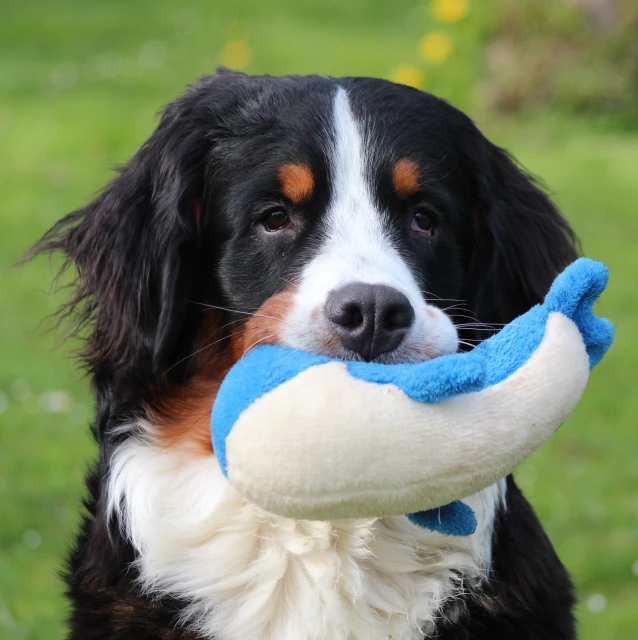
(79, 85)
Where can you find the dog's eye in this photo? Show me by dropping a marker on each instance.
(276, 220)
(423, 222)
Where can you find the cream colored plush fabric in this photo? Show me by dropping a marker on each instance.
(398, 456)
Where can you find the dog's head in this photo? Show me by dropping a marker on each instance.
(350, 217)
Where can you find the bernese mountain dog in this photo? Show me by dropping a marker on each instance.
(350, 217)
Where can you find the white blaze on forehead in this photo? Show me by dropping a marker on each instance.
(357, 246)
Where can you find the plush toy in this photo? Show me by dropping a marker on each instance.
(312, 437)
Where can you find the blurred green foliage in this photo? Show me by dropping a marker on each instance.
(79, 85)
(579, 57)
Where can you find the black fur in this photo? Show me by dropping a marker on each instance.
(178, 224)
(529, 595)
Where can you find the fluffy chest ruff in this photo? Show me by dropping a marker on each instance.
(245, 573)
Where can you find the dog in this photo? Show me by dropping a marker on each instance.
(349, 217)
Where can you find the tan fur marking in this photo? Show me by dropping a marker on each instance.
(264, 327)
(296, 181)
(406, 177)
(185, 410)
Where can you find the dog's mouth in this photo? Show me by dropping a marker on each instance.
(323, 343)
(276, 322)
(400, 355)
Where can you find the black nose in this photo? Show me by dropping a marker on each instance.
(370, 319)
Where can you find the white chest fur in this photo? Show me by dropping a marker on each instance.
(249, 574)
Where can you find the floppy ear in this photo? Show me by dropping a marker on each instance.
(521, 241)
(135, 246)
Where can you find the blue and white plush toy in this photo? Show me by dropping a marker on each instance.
(311, 437)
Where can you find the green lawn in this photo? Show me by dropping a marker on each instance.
(79, 84)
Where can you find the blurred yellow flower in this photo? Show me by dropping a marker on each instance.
(409, 75)
(450, 10)
(236, 54)
(435, 47)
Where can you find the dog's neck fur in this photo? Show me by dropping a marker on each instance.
(246, 573)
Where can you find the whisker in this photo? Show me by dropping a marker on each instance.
(459, 307)
(456, 307)
(252, 346)
(483, 324)
(488, 328)
(432, 296)
(235, 333)
(246, 313)
(486, 353)
(194, 353)
(460, 315)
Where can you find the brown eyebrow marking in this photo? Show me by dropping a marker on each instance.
(296, 181)
(406, 177)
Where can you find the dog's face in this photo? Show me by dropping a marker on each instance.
(344, 217)
(353, 204)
